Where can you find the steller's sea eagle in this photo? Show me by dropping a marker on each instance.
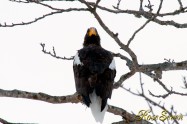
(94, 73)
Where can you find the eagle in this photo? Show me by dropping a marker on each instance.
(94, 72)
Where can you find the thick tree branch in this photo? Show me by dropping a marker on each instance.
(75, 98)
(180, 4)
(129, 62)
(128, 117)
(123, 78)
(165, 66)
(141, 5)
(4, 121)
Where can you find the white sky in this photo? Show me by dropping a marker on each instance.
(23, 66)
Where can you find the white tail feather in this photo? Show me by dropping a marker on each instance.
(95, 107)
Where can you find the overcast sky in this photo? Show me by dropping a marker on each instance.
(23, 66)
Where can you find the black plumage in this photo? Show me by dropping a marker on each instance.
(92, 71)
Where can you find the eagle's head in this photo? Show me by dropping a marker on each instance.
(91, 37)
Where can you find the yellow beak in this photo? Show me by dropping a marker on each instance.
(92, 31)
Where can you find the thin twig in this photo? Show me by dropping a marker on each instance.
(42, 17)
(149, 6)
(54, 53)
(185, 82)
(19, 1)
(151, 109)
(160, 6)
(162, 107)
(141, 83)
(151, 102)
(164, 86)
(160, 96)
(149, 15)
(118, 4)
(139, 29)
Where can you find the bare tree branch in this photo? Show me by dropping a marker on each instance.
(160, 96)
(145, 14)
(149, 6)
(49, 0)
(139, 29)
(160, 6)
(128, 117)
(169, 91)
(185, 82)
(162, 107)
(165, 66)
(19, 1)
(3, 121)
(118, 4)
(54, 53)
(75, 98)
(114, 36)
(152, 70)
(149, 15)
(142, 94)
(141, 5)
(42, 17)
(123, 78)
(180, 4)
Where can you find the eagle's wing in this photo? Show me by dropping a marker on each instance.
(94, 69)
(81, 75)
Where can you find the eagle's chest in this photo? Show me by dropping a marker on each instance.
(96, 60)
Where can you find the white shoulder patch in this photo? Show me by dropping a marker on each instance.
(112, 65)
(77, 60)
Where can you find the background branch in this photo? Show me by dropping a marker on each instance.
(54, 53)
(74, 98)
(165, 66)
(3, 121)
(152, 70)
(139, 29)
(42, 17)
